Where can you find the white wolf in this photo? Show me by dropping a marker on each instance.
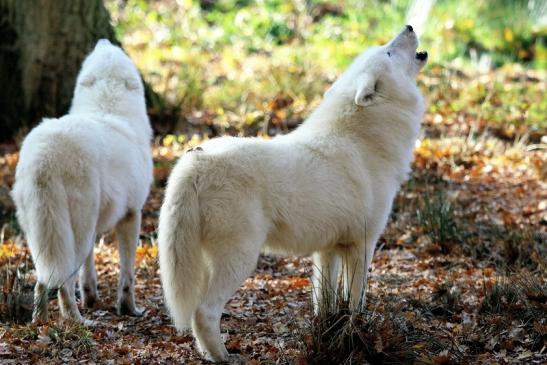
(325, 189)
(83, 174)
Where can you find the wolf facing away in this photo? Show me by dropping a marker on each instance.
(326, 189)
(83, 174)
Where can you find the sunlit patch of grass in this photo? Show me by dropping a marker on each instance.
(73, 334)
(69, 334)
(507, 101)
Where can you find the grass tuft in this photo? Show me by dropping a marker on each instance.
(436, 217)
(16, 296)
(66, 335)
(500, 298)
(386, 334)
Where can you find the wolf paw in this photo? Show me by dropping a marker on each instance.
(133, 311)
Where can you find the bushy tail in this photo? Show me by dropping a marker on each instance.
(182, 263)
(43, 211)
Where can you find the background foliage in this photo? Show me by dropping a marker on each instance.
(233, 63)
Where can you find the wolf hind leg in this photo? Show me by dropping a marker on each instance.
(231, 262)
(67, 300)
(356, 260)
(127, 232)
(88, 280)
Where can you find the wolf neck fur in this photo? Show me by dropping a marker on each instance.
(135, 118)
(389, 133)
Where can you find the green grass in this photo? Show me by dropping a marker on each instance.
(69, 335)
(436, 217)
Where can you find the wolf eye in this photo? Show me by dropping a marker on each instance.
(389, 54)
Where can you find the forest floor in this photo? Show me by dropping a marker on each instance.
(458, 277)
(459, 274)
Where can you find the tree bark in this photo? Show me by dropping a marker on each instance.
(42, 46)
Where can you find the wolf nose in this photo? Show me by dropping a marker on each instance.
(409, 28)
(421, 55)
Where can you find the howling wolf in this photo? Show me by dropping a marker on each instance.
(325, 189)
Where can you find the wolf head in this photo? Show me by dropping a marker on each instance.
(109, 82)
(384, 73)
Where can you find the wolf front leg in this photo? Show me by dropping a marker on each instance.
(326, 265)
(232, 261)
(127, 232)
(357, 259)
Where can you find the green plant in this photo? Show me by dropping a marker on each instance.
(436, 217)
(227, 60)
(70, 334)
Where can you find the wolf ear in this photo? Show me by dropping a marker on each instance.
(131, 84)
(365, 91)
(87, 80)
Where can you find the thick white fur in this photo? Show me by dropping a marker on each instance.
(325, 189)
(83, 174)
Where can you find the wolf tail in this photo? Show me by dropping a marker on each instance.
(182, 263)
(43, 212)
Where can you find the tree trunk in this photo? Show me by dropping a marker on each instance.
(42, 45)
